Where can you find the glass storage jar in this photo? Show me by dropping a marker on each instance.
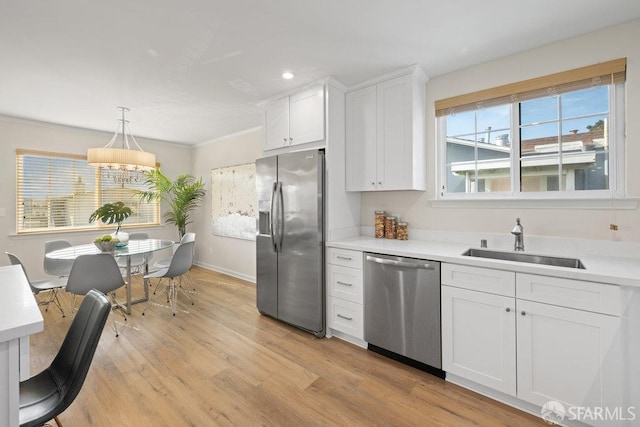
(402, 232)
(390, 227)
(380, 217)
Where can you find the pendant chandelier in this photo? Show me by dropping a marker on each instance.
(125, 164)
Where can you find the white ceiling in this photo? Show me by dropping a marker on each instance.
(194, 70)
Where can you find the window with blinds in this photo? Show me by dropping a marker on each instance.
(59, 192)
(554, 136)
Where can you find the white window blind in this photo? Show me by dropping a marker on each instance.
(59, 192)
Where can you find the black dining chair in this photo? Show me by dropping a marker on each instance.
(46, 395)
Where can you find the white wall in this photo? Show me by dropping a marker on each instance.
(232, 256)
(414, 207)
(16, 133)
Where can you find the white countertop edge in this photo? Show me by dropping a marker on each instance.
(22, 330)
(20, 315)
(612, 270)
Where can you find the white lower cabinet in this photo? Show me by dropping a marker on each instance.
(479, 337)
(567, 355)
(345, 299)
(535, 351)
(345, 316)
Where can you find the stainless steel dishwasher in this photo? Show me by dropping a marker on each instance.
(402, 310)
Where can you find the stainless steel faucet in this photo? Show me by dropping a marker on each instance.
(518, 232)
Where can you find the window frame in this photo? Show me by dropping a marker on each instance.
(97, 197)
(617, 166)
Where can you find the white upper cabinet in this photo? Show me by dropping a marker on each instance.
(385, 135)
(277, 124)
(306, 112)
(295, 119)
(362, 138)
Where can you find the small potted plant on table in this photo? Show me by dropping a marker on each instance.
(113, 213)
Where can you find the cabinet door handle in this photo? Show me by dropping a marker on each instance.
(343, 283)
(346, 258)
(344, 317)
(523, 313)
(373, 183)
(379, 182)
(508, 310)
(290, 140)
(285, 141)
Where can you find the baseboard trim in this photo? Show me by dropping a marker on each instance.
(226, 271)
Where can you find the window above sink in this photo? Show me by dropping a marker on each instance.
(555, 137)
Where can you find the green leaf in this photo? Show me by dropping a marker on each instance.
(182, 196)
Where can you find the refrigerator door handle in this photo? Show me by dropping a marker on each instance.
(271, 217)
(280, 215)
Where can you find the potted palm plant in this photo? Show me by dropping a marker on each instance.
(182, 196)
(113, 213)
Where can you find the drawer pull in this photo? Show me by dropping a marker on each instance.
(346, 258)
(343, 283)
(344, 317)
(524, 313)
(508, 310)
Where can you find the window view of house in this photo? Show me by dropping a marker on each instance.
(561, 143)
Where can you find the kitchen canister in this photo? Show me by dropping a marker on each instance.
(390, 227)
(402, 231)
(380, 217)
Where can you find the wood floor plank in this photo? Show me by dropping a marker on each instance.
(220, 363)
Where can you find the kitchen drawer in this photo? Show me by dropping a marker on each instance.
(479, 279)
(346, 317)
(345, 258)
(345, 283)
(590, 296)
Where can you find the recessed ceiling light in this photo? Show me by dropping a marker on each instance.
(287, 75)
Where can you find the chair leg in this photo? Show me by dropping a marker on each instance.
(152, 298)
(72, 305)
(116, 306)
(173, 296)
(57, 421)
(185, 292)
(56, 301)
(191, 284)
(51, 299)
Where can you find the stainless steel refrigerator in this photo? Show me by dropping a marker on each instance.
(290, 239)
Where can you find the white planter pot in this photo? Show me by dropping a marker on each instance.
(123, 238)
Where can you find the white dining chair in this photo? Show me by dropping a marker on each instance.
(51, 286)
(164, 263)
(57, 267)
(98, 271)
(180, 263)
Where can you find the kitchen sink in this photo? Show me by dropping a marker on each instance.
(528, 258)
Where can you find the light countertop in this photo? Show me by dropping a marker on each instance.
(19, 312)
(600, 268)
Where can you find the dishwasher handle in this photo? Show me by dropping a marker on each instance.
(405, 264)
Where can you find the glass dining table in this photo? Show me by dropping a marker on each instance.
(135, 247)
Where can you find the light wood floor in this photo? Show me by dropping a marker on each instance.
(220, 362)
